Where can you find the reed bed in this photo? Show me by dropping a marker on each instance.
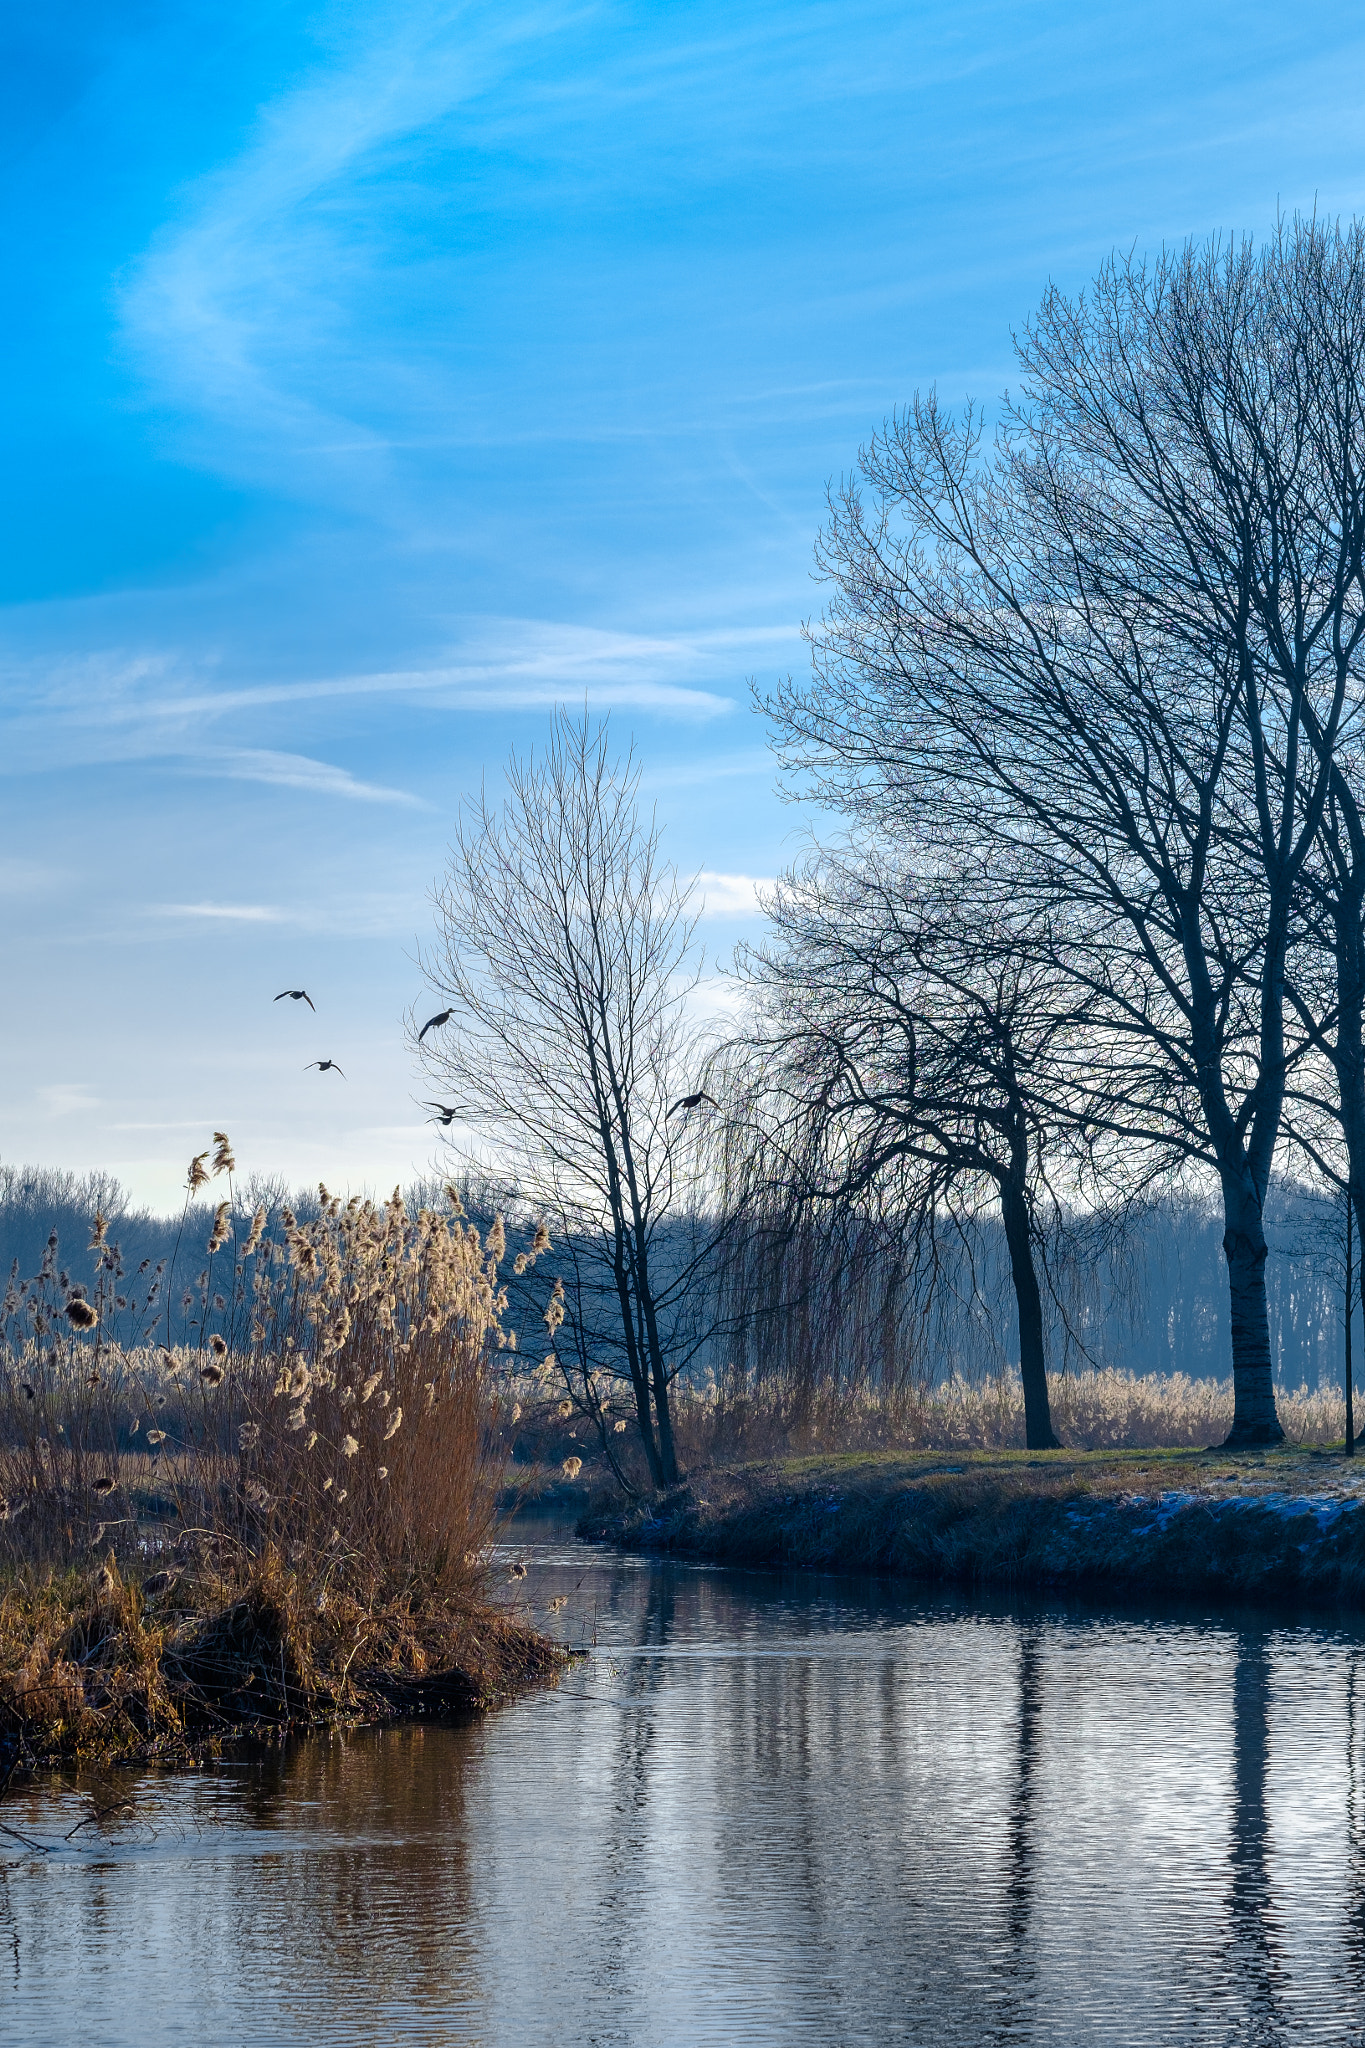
(1106, 1409)
(721, 1423)
(288, 1518)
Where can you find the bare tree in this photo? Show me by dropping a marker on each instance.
(565, 955)
(1066, 647)
(1274, 343)
(909, 1039)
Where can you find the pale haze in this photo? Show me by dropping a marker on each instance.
(379, 377)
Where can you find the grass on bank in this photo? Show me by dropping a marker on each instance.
(286, 1522)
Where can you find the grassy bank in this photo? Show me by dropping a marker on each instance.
(1261, 1524)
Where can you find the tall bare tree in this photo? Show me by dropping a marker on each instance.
(1066, 645)
(565, 954)
(1274, 340)
(909, 1039)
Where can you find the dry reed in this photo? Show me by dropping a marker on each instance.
(310, 1485)
(1107, 1409)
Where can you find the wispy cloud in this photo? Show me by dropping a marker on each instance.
(28, 878)
(298, 771)
(124, 704)
(181, 1124)
(753, 763)
(731, 895)
(229, 913)
(238, 300)
(616, 670)
(352, 914)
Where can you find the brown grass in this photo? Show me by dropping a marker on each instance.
(1100, 1410)
(90, 1672)
(288, 1519)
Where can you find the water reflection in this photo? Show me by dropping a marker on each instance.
(1251, 1958)
(765, 1811)
(1354, 1888)
(1018, 1977)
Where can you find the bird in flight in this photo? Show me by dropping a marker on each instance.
(443, 1115)
(298, 995)
(441, 1017)
(324, 1067)
(691, 1101)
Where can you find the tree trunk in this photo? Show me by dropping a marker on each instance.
(668, 1456)
(1349, 1062)
(1350, 1367)
(1038, 1433)
(663, 1417)
(1254, 1420)
(639, 1377)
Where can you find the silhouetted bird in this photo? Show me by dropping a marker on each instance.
(442, 1017)
(443, 1115)
(297, 995)
(517, 1570)
(323, 1067)
(691, 1101)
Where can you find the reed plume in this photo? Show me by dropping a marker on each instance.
(362, 1341)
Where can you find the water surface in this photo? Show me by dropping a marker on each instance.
(766, 1809)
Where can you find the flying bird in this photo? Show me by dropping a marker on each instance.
(442, 1017)
(443, 1115)
(297, 995)
(691, 1101)
(323, 1067)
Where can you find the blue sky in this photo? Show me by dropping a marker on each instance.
(378, 376)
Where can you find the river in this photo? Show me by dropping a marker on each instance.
(765, 1809)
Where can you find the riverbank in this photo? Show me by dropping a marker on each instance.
(1287, 1522)
(115, 1671)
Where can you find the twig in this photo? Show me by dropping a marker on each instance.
(101, 1814)
(43, 1848)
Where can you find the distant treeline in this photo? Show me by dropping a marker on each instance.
(862, 1308)
(1148, 1297)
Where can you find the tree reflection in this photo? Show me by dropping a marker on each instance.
(1019, 1889)
(1019, 1967)
(1355, 1821)
(368, 1903)
(1250, 1948)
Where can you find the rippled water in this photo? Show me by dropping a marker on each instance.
(767, 1809)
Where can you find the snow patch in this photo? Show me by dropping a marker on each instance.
(1325, 1508)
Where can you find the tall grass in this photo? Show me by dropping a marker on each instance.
(1104, 1409)
(327, 1445)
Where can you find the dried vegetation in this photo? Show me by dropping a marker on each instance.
(287, 1520)
(1105, 1409)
